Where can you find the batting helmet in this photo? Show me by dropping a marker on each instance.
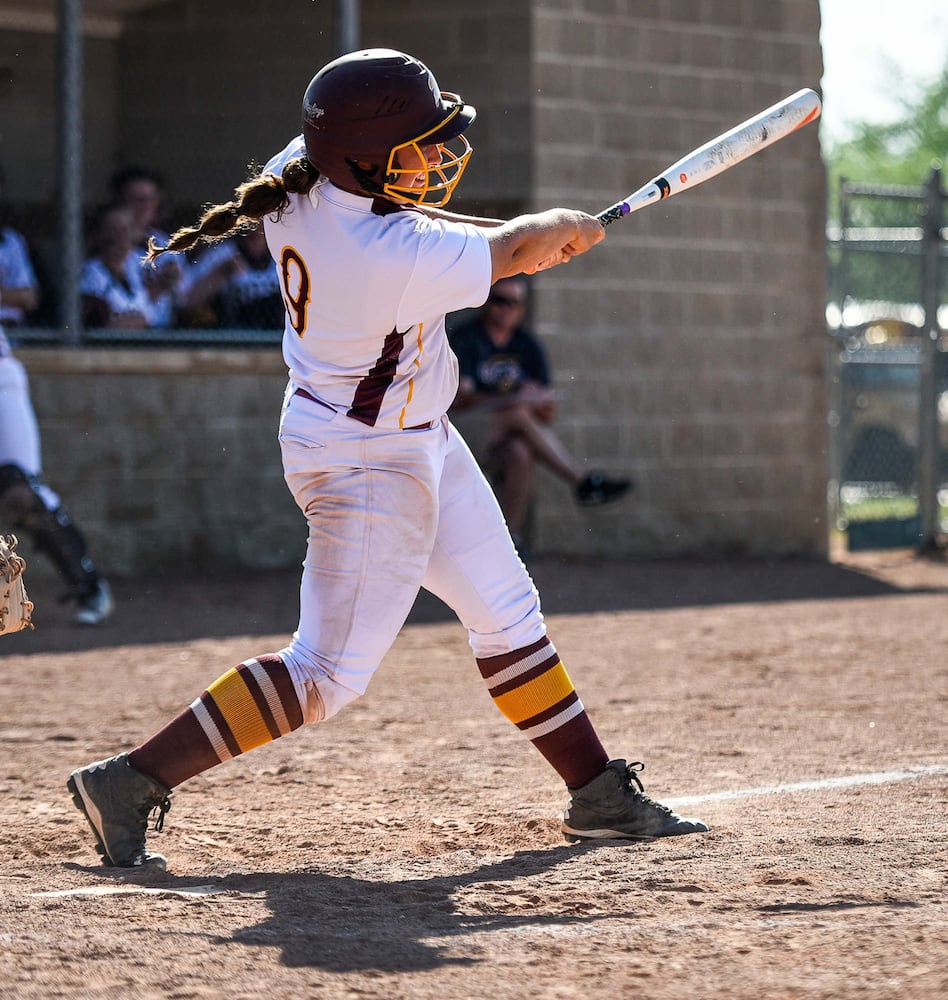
(364, 108)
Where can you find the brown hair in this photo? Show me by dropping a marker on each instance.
(263, 194)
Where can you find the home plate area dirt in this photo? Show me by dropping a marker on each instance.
(411, 847)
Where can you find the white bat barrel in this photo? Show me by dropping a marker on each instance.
(722, 152)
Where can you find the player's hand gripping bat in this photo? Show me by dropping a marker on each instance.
(722, 152)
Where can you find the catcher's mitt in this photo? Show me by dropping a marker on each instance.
(15, 607)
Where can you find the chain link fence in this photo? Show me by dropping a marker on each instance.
(888, 367)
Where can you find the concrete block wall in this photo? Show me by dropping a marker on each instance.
(209, 87)
(28, 118)
(689, 345)
(481, 50)
(168, 459)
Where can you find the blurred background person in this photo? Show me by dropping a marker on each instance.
(18, 284)
(112, 285)
(505, 374)
(27, 505)
(234, 284)
(141, 191)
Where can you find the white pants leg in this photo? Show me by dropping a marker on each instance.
(474, 567)
(19, 434)
(389, 510)
(370, 499)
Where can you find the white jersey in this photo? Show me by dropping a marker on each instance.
(121, 296)
(16, 271)
(366, 287)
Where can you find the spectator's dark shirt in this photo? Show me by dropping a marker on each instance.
(499, 370)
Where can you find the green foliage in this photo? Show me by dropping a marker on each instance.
(902, 152)
(882, 261)
(879, 508)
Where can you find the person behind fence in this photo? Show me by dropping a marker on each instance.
(141, 191)
(113, 289)
(505, 375)
(236, 283)
(27, 504)
(20, 287)
(392, 496)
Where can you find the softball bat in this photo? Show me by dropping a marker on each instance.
(722, 152)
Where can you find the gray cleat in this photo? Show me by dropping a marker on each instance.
(613, 805)
(116, 800)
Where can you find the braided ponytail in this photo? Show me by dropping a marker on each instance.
(261, 195)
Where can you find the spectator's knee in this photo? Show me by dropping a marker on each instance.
(518, 455)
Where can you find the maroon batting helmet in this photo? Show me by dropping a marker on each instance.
(362, 109)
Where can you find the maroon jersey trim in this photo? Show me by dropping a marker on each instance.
(367, 401)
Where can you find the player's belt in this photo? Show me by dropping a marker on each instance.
(427, 425)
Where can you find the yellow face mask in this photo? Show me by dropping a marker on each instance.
(412, 176)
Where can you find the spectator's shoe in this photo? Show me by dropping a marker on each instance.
(613, 806)
(116, 800)
(96, 606)
(597, 489)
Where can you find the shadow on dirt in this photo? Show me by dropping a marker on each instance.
(266, 602)
(348, 923)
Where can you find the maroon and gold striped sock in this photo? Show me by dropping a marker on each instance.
(253, 704)
(532, 689)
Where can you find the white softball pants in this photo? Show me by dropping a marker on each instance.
(389, 512)
(19, 433)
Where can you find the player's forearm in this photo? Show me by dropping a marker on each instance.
(530, 243)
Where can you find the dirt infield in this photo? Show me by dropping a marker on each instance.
(410, 847)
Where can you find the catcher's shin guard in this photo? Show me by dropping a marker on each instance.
(253, 704)
(532, 689)
(53, 531)
(55, 534)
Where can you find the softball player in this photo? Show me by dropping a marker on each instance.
(369, 265)
(27, 504)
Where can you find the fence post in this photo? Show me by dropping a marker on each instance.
(70, 167)
(348, 28)
(928, 444)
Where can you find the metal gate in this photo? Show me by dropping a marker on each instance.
(888, 367)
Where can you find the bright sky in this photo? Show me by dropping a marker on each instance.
(867, 45)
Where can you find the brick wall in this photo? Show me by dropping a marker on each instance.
(168, 458)
(690, 344)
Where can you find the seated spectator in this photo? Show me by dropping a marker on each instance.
(19, 289)
(237, 280)
(504, 373)
(112, 286)
(142, 192)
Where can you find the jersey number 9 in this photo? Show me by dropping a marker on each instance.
(295, 281)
